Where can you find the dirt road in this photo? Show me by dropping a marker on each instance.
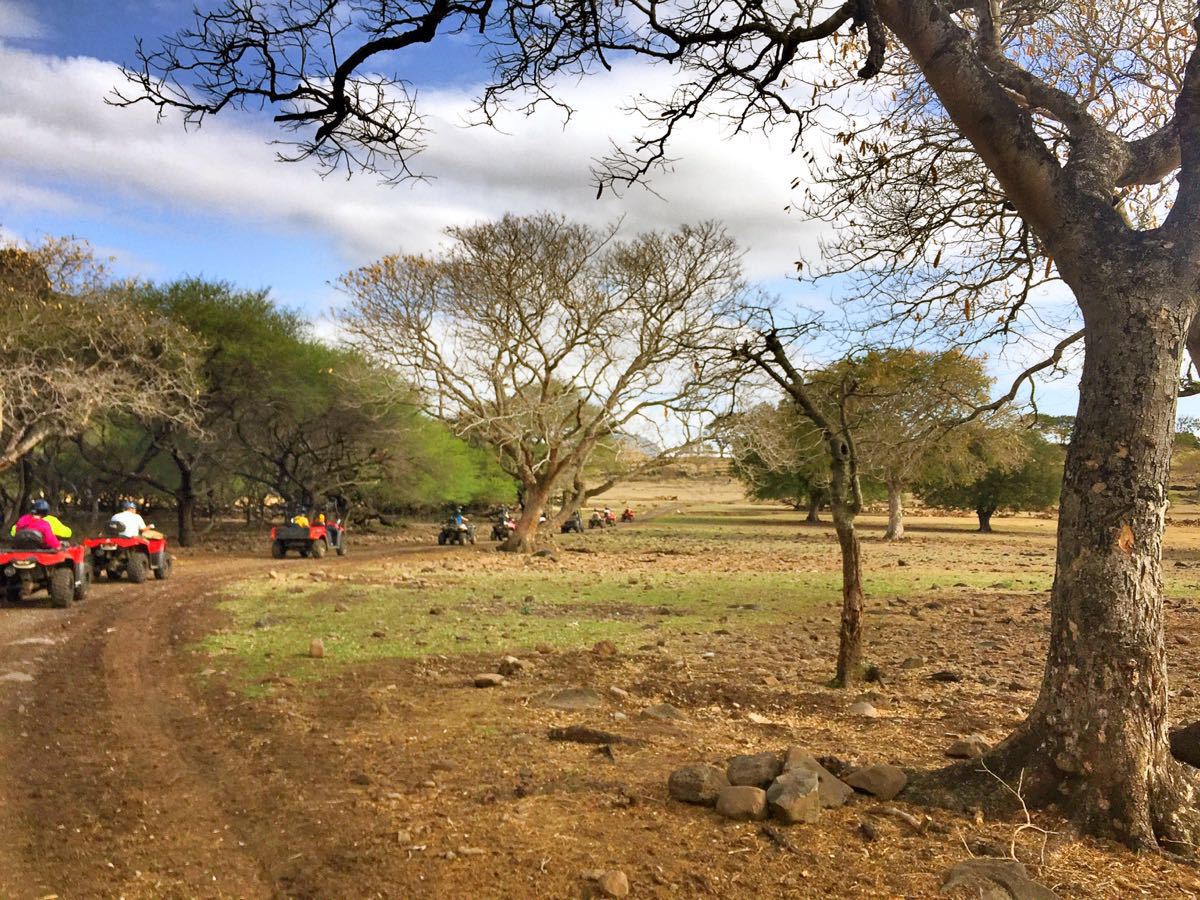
(116, 783)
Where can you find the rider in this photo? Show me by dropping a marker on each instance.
(300, 518)
(131, 523)
(458, 518)
(49, 527)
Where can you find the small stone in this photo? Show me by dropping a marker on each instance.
(510, 666)
(613, 883)
(971, 747)
(378, 634)
(986, 877)
(758, 770)
(868, 831)
(795, 797)
(489, 679)
(708, 654)
(575, 699)
(340, 607)
(742, 803)
(945, 676)
(834, 791)
(663, 712)
(471, 851)
(361, 778)
(545, 553)
(902, 562)
(316, 648)
(604, 648)
(619, 693)
(864, 709)
(913, 662)
(435, 610)
(700, 784)
(883, 781)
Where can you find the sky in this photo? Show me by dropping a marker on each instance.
(165, 202)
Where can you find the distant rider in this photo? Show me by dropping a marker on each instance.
(48, 526)
(300, 518)
(132, 525)
(458, 518)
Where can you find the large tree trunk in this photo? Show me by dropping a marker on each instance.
(814, 508)
(985, 520)
(895, 525)
(1095, 743)
(185, 506)
(524, 536)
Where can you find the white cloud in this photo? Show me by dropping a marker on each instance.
(56, 125)
(17, 22)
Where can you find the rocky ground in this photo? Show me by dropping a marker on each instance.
(647, 713)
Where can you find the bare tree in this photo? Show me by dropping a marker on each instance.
(1065, 108)
(825, 398)
(82, 351)
(544, 339)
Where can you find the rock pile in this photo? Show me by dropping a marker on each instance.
(792, 787)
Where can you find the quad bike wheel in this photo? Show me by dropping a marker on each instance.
(341, 547)
(318, 548)
(278, 551)
(12, 591)
(85, 583)
(163, 572)
(136, 565)
(442, 538)
(62, 587)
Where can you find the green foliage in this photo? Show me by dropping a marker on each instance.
(1030, 483)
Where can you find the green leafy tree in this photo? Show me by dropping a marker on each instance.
(1028, 478)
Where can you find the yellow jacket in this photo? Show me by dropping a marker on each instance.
(59, 529)
(302, 521)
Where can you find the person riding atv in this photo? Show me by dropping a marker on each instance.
(458, 530)
(504, 525)
(38, 521)
(610, 518)
(127, 522)
(627, 515)
(596, 520)
(574, 522)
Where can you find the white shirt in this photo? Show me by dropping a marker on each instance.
(131, 523)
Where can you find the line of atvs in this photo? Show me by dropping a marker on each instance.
(66, 572)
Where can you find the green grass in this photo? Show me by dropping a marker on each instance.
(272, 622)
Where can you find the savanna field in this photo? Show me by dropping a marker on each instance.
(314, 729)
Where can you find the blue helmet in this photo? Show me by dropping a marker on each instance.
(128, 504)
(41, 507)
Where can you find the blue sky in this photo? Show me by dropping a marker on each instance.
(166, 202)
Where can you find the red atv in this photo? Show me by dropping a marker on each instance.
(309, 540)
(136, 557)
(627, 516)
(63, 573)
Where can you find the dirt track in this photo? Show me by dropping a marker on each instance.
(116, 785)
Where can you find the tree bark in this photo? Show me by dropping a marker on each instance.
(814, 508)
(895, 525)
(524, 536)
(844, 503)
(1096, 741)
(985, 520)
(185, 505)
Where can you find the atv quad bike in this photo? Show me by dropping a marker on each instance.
(502, 529)
(627, 516)
(134, 557)
(455, 533)
(574, 523)
(596, 521)
(28, 567)
(308, 540)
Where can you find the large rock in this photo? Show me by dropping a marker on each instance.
(834, 791)
(864, 709)
(489, 679)
(575, 699)
(795, 797)
(511, 665)
(663, 712)
(1185, 744)
(613, 883)
(995, 879)
(743, 803)
(882, 781)
(757, 770)
(970, 747)
(697, 784)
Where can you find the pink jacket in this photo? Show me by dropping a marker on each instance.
(36, 523)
